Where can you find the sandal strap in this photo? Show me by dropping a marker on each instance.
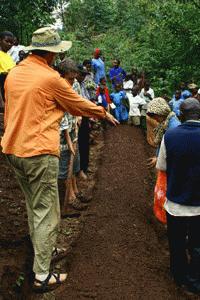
(45, 283)
(55, 251)
(57, 277)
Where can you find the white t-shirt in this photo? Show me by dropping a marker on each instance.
(128, 85)
(134, 103)
(150, 91)
(14, 52)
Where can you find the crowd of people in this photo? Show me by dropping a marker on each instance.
(51, 104)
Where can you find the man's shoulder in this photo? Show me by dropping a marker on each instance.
(185, 127)
(173, 130)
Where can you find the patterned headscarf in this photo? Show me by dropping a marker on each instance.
(160, 107)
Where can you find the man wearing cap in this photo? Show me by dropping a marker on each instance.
(179, 156)
(36, 99)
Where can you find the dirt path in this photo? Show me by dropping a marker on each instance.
(122, 253)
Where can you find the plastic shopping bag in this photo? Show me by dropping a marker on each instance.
(160, 196)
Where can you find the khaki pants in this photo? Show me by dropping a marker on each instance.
(134, 120)
(37, 177)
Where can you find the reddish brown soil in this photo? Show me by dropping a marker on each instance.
(122, 250)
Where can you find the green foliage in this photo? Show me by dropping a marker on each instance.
(92, 16)
(23, 17)
(161, 37)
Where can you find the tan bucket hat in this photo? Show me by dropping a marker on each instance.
(48, 39)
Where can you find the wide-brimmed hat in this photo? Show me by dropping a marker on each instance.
(48, 39)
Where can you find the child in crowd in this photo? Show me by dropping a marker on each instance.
(128, 84)
(116, 73)
(120, 100)
(135, 101)
(102, 83)
(176, 102)
(101, 98)
(102, 101)
(147, 93)
(69, 163)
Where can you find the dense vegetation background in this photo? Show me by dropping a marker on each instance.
(161, 37)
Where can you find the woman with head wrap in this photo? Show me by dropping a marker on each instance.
(159, 110)
(98, 66)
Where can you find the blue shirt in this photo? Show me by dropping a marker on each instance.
(175, 105)
(121, 113)
(99, 69)
(173, 122)
(117, 75)
(102, 100)
(185, 94)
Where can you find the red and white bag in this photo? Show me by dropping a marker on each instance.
(160, 197)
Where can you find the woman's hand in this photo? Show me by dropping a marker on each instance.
(151, 162)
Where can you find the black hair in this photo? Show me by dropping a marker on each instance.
(3, 34)
(117, 60)
(87, 62)
(147, 82)
(128, 77)
(102, 78)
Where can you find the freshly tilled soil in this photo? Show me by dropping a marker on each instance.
(117, 250)
(122, 253)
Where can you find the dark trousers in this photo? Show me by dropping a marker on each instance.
(84, 146)
(2, 82)
(184, 245)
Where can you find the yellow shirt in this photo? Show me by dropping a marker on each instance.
(6, 62)
(36, 99)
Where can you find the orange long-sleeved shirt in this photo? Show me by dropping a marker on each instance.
(36, 98)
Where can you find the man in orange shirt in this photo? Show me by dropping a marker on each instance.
(36, 99)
